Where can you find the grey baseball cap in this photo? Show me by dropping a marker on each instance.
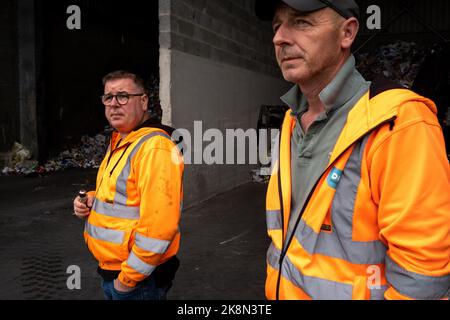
(265, 9)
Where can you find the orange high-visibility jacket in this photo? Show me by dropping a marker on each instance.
(133, 225)
(377, 223)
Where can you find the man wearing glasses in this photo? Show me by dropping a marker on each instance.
(359, 207)
(133, 215)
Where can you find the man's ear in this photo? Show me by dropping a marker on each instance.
(145, 102)
(349, 31)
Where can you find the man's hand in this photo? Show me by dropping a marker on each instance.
(82, 210)
(119, 286)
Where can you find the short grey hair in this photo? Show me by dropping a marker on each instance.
(124, 74)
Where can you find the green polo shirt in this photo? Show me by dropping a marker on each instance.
(311, 151)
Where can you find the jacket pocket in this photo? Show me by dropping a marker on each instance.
(122, 250)
(109, 245)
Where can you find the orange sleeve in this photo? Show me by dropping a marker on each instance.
(410, 177)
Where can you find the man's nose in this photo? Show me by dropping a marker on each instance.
(114, 102)
(281, 37)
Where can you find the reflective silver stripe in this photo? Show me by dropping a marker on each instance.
(108, 235)
(342, 211)
(116, 210)
(415, 285)
(273, 220)
(316, 288)
(139, 265)
(339, 243)
(331, 245)
(378, 294)
(151, 244)
(343, 206)
(121, 183)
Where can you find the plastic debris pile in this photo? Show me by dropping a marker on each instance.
(88, 153)
(261, 175)
(399, 62)
(20, 161)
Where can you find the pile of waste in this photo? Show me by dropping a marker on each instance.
(88, 153)
(399, 62)
(19, 161)
(261, 175)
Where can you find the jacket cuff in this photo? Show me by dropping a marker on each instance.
(126, 281)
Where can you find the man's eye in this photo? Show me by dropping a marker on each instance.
(122, 95)
(107, 97)
(302, 22)
(275, 28)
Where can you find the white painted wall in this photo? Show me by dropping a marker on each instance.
(223, 97)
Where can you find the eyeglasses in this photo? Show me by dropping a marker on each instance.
(121, 98)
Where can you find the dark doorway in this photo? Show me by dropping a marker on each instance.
(113, 35)
(9, 120)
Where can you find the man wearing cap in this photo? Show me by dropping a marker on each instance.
(359, 204)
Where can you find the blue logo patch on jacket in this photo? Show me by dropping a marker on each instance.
(334, 177)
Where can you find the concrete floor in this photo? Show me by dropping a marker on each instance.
(222, 251)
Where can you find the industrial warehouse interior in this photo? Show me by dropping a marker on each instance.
(210, 71)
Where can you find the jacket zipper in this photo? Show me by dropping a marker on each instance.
(109, 159)
(123, 153)
(280, 194)
(285, 246)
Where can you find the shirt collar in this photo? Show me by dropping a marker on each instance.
(339, 91)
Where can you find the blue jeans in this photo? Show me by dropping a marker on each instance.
(146, 290)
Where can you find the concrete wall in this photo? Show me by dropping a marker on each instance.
(222, 97)
(18, 77)
(216, 66)
(9, 120)
(26, 31)
(220, 30)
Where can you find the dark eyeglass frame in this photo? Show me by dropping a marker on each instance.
(119, 96)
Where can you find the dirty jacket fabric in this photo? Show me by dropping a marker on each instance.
(133, 225)
(377, 223)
